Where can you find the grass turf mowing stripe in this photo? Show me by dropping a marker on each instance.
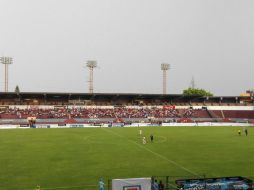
(69, 187)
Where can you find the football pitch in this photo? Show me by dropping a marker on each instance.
(77, 158)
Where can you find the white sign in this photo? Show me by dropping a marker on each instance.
(132, 184)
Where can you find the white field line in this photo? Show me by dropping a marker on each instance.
(155, 153)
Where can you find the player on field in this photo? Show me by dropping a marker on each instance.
(140, 132)
(246, 131)
(239, 132)
(151, 137)
(144, 140)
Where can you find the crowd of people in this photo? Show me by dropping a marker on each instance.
(81, 112)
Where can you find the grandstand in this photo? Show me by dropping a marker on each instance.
(60, 108)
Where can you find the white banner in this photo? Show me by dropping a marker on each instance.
(131, 184)
(42, 126)
(140, 124)
(9, 126)
(206, 124)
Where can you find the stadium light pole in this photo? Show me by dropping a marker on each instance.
(91, 65)
(6, 61)
(165, 67)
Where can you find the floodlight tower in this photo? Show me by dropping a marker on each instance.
(91, 65)
(6, 61)
(165, 67)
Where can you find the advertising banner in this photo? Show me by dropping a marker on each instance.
(168, 107)
(42, 126)
(75, 125)
(24, 126)
(9, 126)
(223, 183)
(117, 124)
(131, 184)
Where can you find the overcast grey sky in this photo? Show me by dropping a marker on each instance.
(50, 41)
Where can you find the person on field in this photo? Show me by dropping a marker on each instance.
(246, 131)
(101, 184)
(151, 137)
(140, 132)
(144, 140)
(239, 132)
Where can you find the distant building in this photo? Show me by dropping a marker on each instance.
(248, 93)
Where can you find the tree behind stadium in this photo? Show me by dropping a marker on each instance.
(17, 91)
(196, 92)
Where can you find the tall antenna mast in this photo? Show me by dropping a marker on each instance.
(165, 67)
(91, 65)
(193, 84)
(6, 61)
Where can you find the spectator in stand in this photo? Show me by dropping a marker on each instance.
(80, 112)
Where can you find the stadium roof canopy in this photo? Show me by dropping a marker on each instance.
(114, 96)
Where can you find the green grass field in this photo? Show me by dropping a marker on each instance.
(77, 158)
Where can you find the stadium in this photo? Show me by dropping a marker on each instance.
(95, 95)
(71, 140)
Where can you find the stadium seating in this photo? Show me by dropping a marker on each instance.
(122, 112)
